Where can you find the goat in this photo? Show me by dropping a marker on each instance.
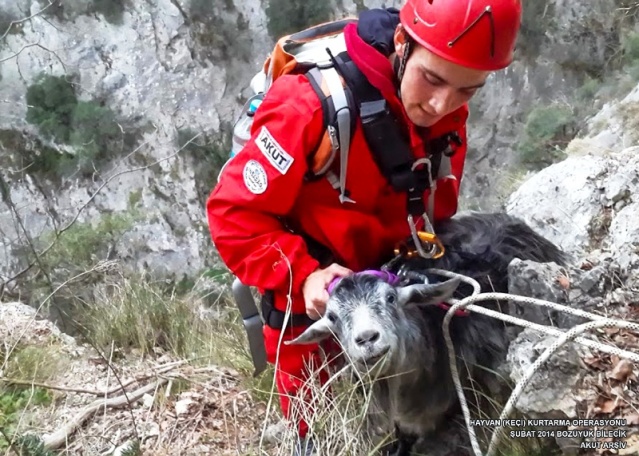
(391, 331)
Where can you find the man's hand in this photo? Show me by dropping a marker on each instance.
(314, 288)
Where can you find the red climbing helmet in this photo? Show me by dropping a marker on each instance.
(478, 34)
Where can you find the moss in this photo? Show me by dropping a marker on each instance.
(90, 127)
(134, 198)
(288, 16)
(51, 101)
(547, 131)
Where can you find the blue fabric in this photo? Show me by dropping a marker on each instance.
(377, 27)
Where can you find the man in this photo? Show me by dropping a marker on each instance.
(267, 218)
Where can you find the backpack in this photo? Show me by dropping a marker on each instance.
(310, 51)
(346, 95)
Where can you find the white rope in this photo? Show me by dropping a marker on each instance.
(570, 335)
(564, 336)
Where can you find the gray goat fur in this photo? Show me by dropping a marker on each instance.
(413, 383)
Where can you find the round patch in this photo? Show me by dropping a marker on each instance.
(255, 177)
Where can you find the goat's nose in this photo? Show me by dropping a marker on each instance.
(367, 337)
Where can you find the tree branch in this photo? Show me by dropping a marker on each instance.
(58, 438)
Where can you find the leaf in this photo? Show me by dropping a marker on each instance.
(632, 445)
(564, 282)
(609, 406)
(594, 362)
(622, 370)
(632, 419)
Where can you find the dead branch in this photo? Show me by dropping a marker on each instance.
(160, 371)
(19, 21)
(59, 437)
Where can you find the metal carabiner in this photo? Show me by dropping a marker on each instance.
(425, 237)
(432, 239)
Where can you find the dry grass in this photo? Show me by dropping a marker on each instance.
(220, 410)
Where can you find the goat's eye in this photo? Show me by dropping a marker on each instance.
(331, 316)
(390, 298)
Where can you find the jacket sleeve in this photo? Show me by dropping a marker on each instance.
(261, 183)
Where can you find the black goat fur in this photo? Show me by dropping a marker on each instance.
(481, 246)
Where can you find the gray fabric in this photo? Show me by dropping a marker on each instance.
(305, 447)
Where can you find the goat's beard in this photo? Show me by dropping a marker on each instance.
(377, 365)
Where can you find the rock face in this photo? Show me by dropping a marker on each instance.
(586, 204)
(168, 67)
(20, 325)
(560, 44)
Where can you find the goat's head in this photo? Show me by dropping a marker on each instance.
(366, 315)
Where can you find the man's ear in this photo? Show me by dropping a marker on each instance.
(399, 40)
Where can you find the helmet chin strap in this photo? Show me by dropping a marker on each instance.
(400, 64)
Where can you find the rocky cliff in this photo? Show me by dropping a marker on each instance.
(161, 81)
(169, 76)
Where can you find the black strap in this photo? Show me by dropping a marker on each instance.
(275, 318)
(387, 139)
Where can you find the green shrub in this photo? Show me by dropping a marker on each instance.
(51, 101)
(31, 445)
(588, 89)
(630, 48)
(287, 16)
(112, 10)
(94, 130)
(88, 126)
(547, 131)
(13, 402)
(77, 249)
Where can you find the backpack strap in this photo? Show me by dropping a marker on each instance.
(388, 141)
(343, 123)
(339, 116)
(346, 95)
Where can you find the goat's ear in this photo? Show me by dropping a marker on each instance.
(317, 332)
(427, 293)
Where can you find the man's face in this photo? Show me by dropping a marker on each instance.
(433, 87)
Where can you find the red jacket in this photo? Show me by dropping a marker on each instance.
(265, 182)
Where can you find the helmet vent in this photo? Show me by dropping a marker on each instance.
(487, 12)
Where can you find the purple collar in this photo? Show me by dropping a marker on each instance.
(386, 276)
